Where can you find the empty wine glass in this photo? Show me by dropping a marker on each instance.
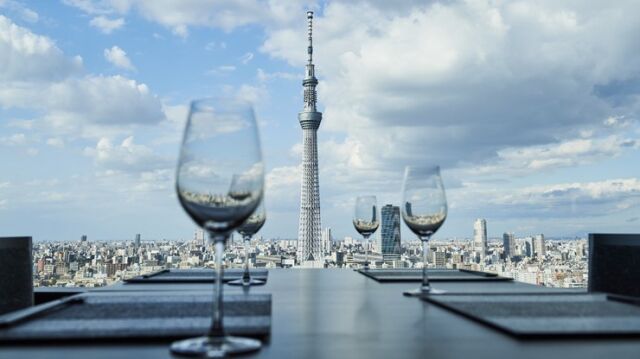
(220, 180)
(365, 220)
(424, 209)
(250, 227)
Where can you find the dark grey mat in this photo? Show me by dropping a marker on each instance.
(435, 275)
(195, 276)
(139, 316)
(547, 315)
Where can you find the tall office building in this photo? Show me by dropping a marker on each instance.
(136, 242)
(390, 233)
(528, 247)
(538, 246)
(327, 241)
(439, 258)
(309, 253)
(199, 237)
(509, 245)
(480, 237)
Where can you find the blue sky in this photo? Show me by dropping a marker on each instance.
(530, 109)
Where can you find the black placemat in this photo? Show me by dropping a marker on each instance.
(547, 315)
(195, 276)
(435, 275)
(138, 316)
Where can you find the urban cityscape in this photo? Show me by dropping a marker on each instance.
(529, 258)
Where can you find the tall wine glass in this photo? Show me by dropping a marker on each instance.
(220, 180)
(250, 227)
(424, 209)
(365, 220)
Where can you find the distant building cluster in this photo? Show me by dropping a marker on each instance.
(531, 259)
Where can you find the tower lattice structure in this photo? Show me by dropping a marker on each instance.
(309, 240)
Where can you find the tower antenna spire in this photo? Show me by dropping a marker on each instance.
(310, 34)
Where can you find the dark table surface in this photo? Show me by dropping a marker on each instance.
(339, 313)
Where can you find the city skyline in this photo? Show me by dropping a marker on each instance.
(531, 110)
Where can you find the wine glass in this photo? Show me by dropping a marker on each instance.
(365, 220)
(250, 227)
(220, 180)
(424, 210)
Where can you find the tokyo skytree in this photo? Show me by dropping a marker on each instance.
(309, 242)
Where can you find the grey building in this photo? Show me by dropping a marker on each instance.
(509, 244)
(480, 238)
(390, 233)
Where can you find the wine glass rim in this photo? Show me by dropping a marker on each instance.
(222, 101)
(422, 168)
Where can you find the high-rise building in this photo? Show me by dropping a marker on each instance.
(309, 253)
(439, 258)
(528, 247)
(83, 238)
(199, 237)
(480, 237)
(327, 241)
(390, 233)
(538, 246)
(137, 241)
(509, 245)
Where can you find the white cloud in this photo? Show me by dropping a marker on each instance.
(246, 58)
(16, 139)
(106, 25)
(264, 76)
(127, 156)
(118, 57)
(55, 142)
(21, 10)
(87, 106)
(25, 56)
(179, 15)
(466, 80)
(221, 70)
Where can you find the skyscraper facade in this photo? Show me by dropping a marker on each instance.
(309, 253)
(538, 246)
(480, 237)
(509, 244)
(390, 232)
(326, 241)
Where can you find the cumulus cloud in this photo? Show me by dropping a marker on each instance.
(179, 15)
(118, 58)
(578, 199)
(126, 156)
(13, 140)
(70, 103)
(458, 82)
(106, 25)
(25, 56)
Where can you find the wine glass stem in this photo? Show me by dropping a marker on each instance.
(217, 328)
(425, 254)
(246, 277)
(366, 252)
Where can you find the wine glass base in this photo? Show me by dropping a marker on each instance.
(214, 347)
(418, 292)
(241, 282)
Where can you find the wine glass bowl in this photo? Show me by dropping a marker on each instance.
(219, 183)
(424, 210)
(365, 221)
(248, 229)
